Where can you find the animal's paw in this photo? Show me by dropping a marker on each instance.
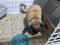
(24, 31)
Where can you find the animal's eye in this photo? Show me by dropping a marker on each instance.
(29, 23)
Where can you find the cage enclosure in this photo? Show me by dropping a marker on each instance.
(52, 10)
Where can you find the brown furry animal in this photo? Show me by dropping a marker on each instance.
(33, 18)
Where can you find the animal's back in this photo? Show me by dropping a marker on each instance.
(34, 11)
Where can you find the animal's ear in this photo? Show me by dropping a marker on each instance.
(29, 23)
(43, 25)
(25, 29)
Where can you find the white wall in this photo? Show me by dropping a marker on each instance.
(13, 5)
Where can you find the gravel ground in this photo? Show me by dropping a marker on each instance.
(11, 25)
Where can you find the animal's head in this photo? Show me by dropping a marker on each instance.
(35, 24)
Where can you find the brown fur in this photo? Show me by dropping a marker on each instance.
(34, 11)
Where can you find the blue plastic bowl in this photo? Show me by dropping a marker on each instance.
(20, 39)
